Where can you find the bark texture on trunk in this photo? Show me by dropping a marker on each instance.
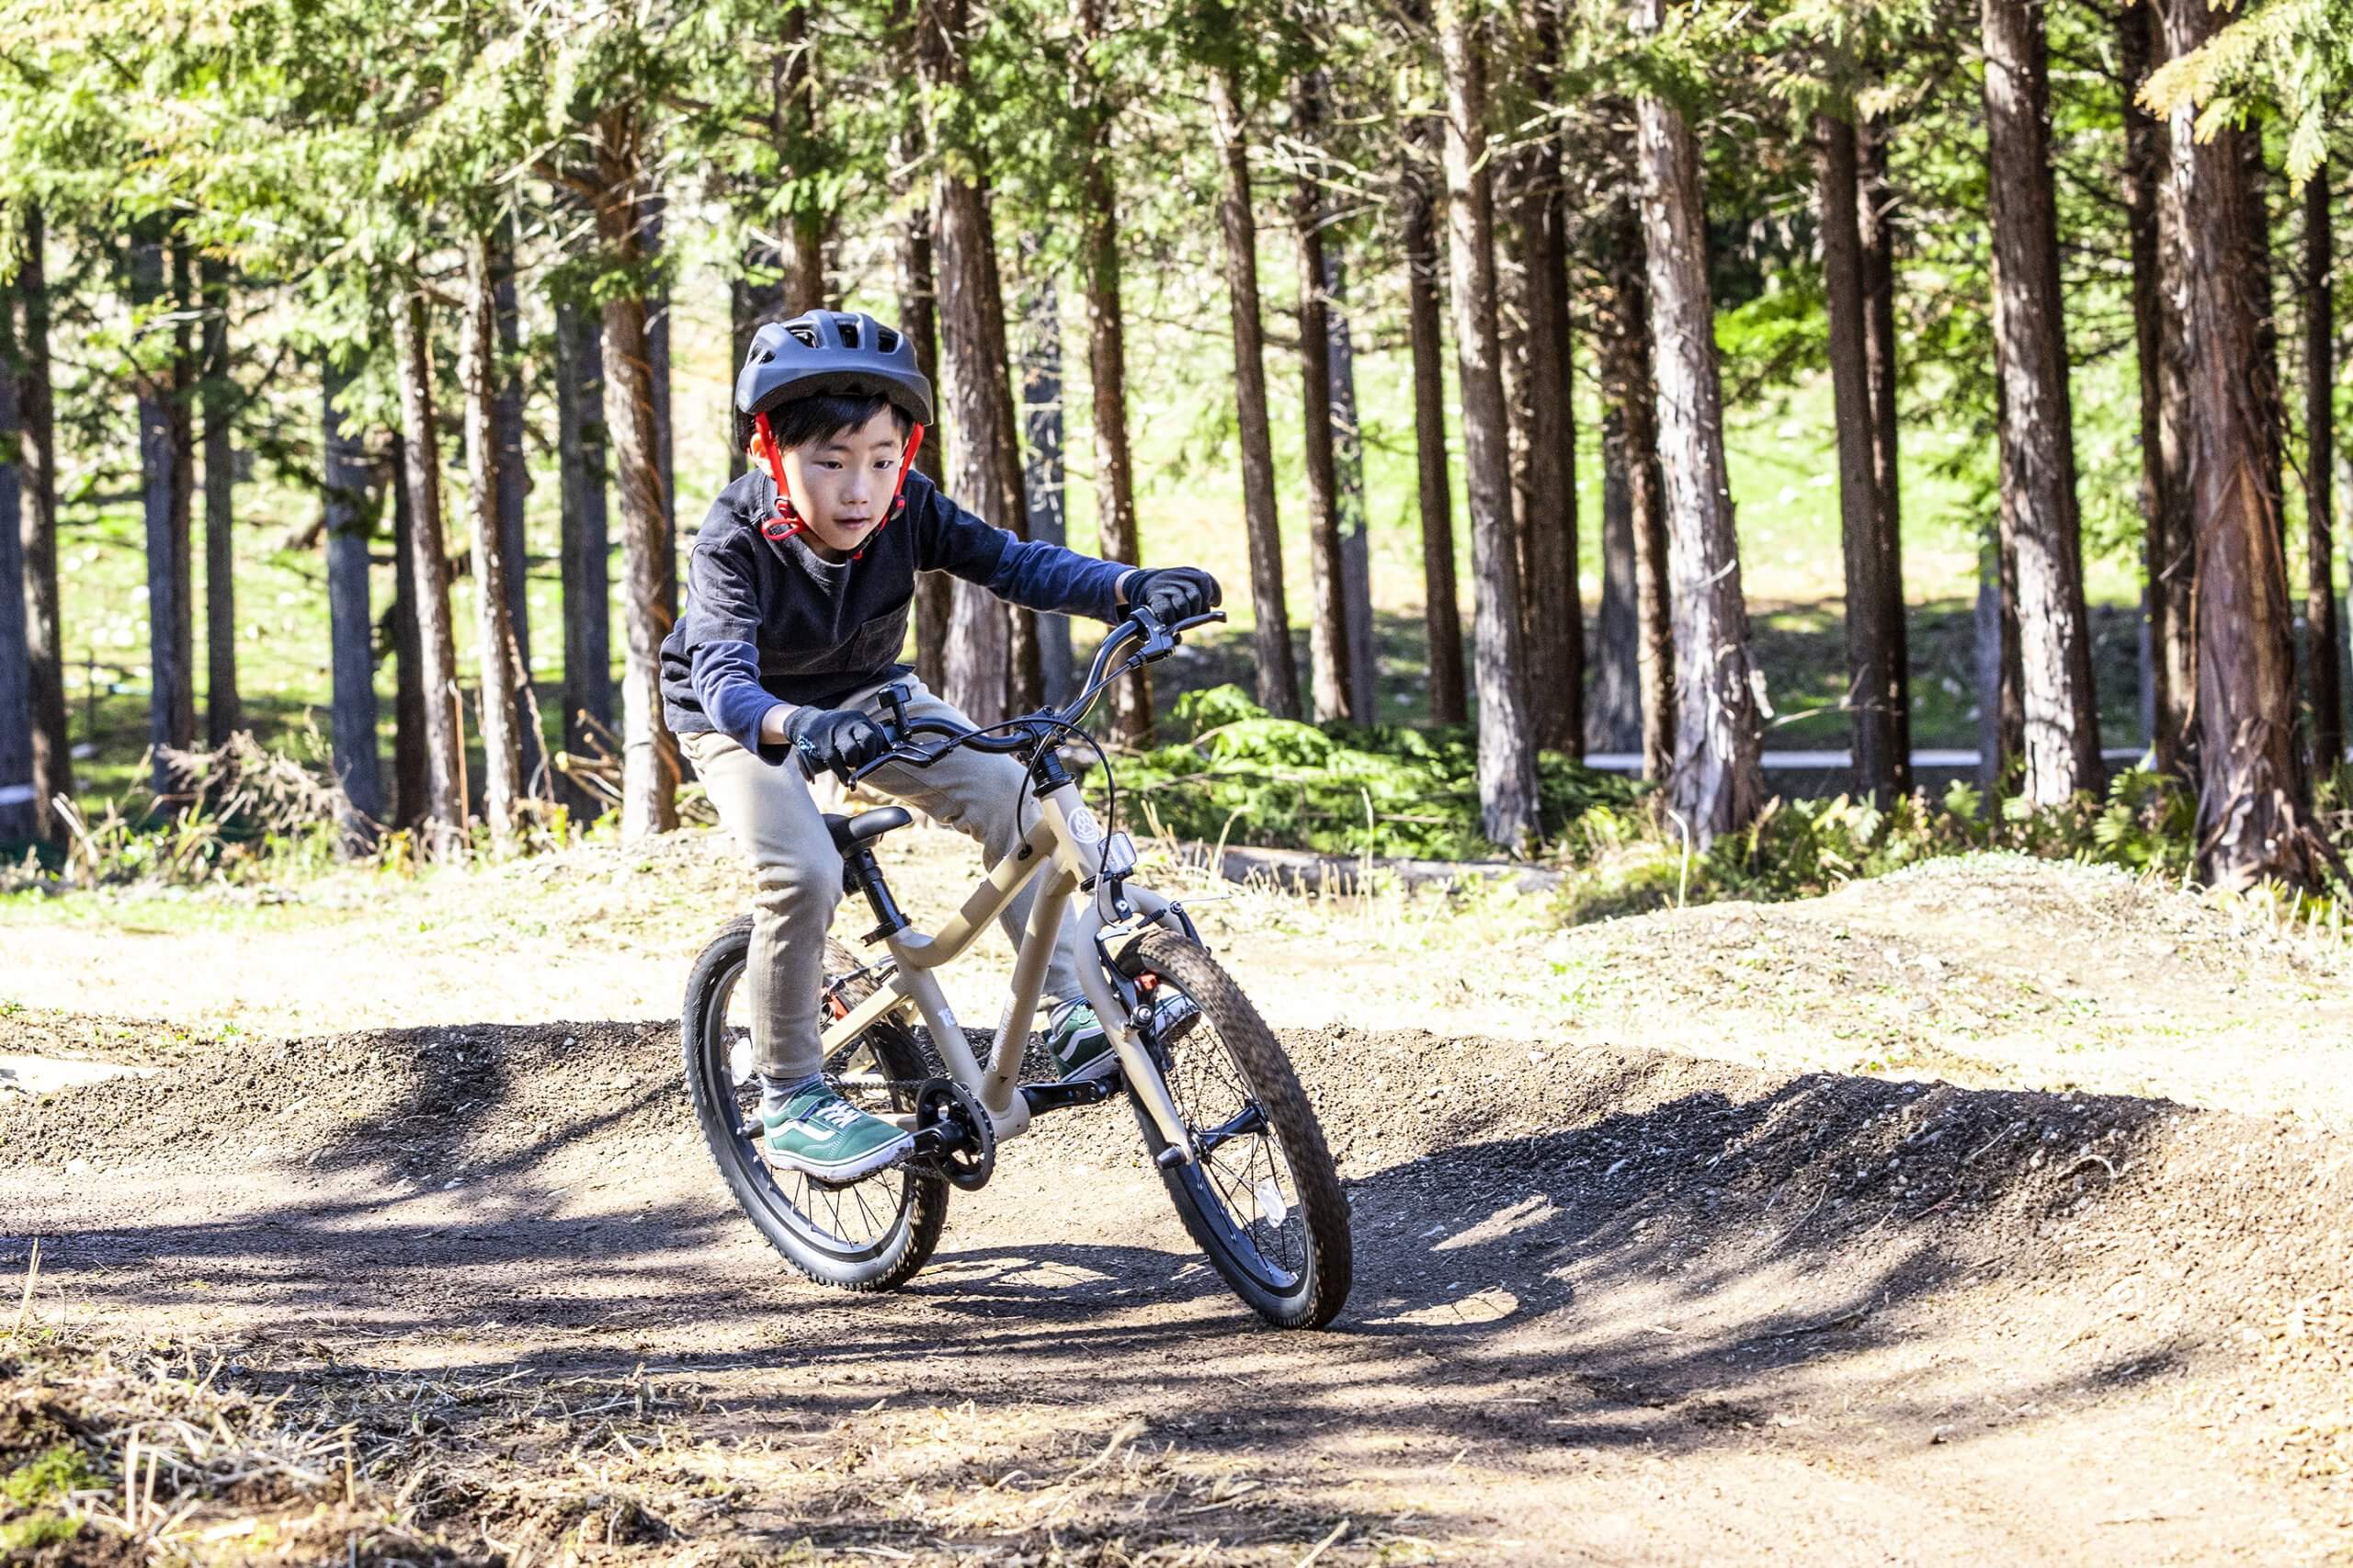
(1627, 354)
(171, 701)
(1106, 362)
(427, 569)
(2143, 172)
(410, 767)
(21, 810)
(1875, 218)
(1715, 784)
(514, 489)
(1425, 275)
(588, 594)
(1328, 640)
(919, 321)
(222, 710)
(1347, 474)
(800, 151)
(1025, 665)
(2172, 526)
(1613, 713)
(351, 621)
(979, 642)
(1277, 670)
(495, 652)
(1551, 609)
(1042, 477)
(53, 773)
(2323, 654)
(1507, 763)
(2038, 457)
(2252, 809)
(650, 761)
(1870, 682)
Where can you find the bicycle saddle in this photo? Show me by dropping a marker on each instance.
(849, 830)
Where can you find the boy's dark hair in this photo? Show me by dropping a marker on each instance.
(806, 420)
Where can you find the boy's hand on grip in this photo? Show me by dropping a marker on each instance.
(838, 740)
(1175, 593)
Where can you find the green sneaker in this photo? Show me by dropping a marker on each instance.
(821, 1135)
(1081, 1050)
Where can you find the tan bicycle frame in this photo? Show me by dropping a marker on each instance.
(1065, 846)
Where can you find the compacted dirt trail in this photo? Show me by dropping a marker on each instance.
(1611, 1305)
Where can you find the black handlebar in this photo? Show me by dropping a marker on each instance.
(1030, 728)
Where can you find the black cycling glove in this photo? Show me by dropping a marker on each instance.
(1175, 593)
(838, 740)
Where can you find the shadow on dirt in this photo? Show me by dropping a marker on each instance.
(1662, 1272)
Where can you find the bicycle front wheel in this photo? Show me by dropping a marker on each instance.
(1261, 1198)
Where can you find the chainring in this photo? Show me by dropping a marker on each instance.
(972, 1160)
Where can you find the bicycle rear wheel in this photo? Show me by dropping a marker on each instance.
(863, 1235)
(1263, 1201)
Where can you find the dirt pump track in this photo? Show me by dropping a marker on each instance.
(1612, 1305)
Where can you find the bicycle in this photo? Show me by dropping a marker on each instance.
(1221, 1110)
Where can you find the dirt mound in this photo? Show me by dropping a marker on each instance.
(1588, 1276)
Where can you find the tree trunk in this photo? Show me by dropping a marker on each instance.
(494, 633)
(1277, 672)
(427, 571)
(587, 596)
(1506, 769)
(514, 488)
(1625, 352)
(171, 703)
(650, 765)
(1442, 611)
(1613, 715)
(21, 810)
(1327, 641)
(187, 376)
(350, 621)
(979, 634)
(1715, 786)
(1875, 221)
(2037, 456)
(2143, 174)
(2256, 204)
(1041, 468)
(801, 153)
(53, 773)
(222, 715)
(410, 766)
(1551, 609)
(2172, 526)
(1107, 363)
(919, 320)
(2252, 806)
(1024, 669)
(1870, 669)
(2323, 653)
(1348, 473)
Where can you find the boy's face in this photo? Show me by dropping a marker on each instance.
(843, 484)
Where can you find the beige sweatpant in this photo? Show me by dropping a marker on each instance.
(768, 809)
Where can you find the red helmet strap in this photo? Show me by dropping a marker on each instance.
(788, 520)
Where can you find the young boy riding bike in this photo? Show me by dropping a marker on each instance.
(798, 593)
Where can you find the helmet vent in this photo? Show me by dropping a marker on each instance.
(806, 336)
(849, 331)
(885, 340)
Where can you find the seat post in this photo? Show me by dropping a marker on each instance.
(862, 874)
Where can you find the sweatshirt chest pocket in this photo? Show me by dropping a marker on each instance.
(873, 645)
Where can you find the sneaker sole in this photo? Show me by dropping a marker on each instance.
(846, 1171)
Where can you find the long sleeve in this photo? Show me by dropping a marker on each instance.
(1029, 573)
(722, 637)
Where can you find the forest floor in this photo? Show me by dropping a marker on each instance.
(1992, 1211)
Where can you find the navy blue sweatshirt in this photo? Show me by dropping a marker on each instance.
(771, 621)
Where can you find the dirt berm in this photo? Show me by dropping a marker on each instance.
(1611, 1306)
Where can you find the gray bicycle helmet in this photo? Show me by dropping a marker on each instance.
(841, 352)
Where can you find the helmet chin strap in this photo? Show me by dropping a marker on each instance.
(788, 520)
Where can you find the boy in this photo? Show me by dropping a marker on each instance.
(798, 593)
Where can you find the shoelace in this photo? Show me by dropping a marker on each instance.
(835, 1113)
